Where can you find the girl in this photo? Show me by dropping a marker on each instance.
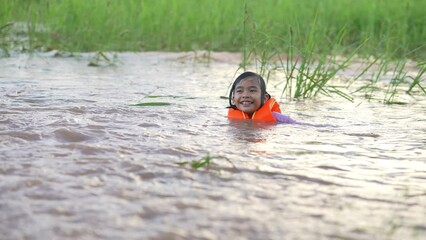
(248, 99)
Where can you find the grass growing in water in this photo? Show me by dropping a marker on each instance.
(205, 162)
(156, 104)
(309, 69)
(417, 79)
(309, 31)
(395, 77)
(3, 35)
(101, 58)
(151, 104)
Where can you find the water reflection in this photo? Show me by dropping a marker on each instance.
(250, 131)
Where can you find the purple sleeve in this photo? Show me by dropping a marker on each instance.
(283, 118)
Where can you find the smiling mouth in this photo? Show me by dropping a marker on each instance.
(246, 103)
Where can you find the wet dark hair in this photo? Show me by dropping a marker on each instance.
(244, 76)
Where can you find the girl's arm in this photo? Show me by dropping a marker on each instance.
(283, 118)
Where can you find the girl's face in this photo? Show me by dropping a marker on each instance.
(247, 95)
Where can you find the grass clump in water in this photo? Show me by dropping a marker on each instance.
(151, 104)
(309, 63)
(391, 78)
(100, 59)
(205, 162)
(416, 80)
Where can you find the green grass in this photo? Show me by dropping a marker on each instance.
(415, 81)
(394, 27)
(151, 104)
(301, 37)
(205, 162)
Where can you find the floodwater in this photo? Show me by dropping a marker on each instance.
(78, 161)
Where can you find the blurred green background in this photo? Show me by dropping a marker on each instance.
(391, 28)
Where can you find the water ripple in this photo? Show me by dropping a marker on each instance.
(77, 161)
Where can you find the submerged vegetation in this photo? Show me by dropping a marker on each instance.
(205, 162)
(305, 39)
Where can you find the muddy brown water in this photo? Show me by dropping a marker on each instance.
(77, 161)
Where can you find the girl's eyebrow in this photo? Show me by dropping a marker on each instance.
(254, 86)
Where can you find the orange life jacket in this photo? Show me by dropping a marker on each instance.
(263, 114)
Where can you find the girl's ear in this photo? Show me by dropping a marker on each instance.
(266, 97)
